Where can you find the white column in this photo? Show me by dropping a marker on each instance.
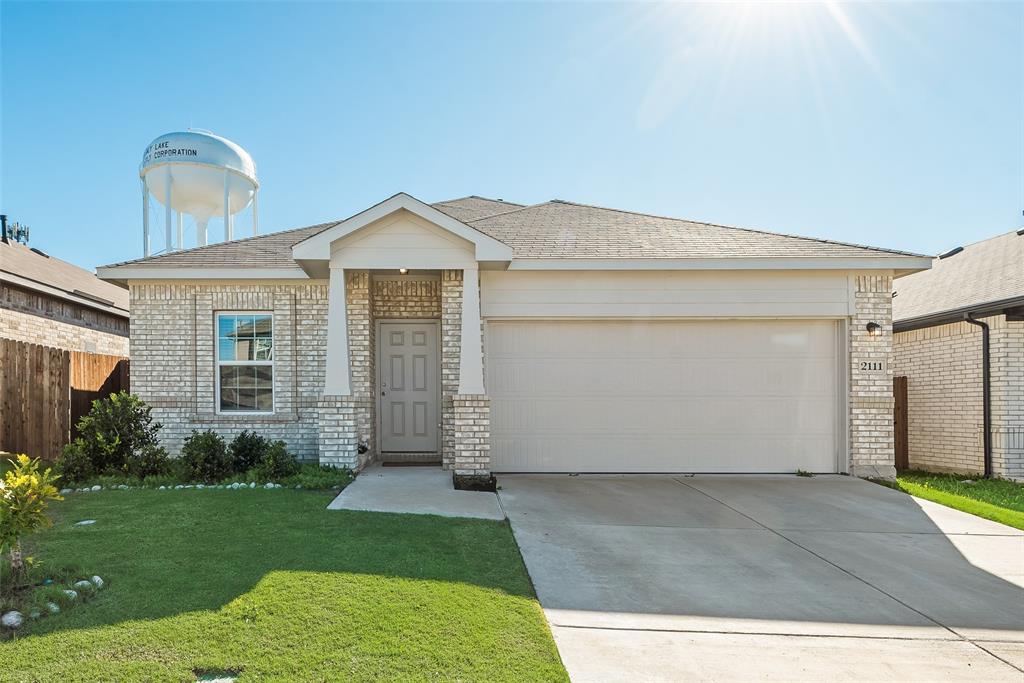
(338, 381)
(471, 360)
(145, 219)
(168, 240)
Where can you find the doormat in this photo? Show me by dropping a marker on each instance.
(411, 463)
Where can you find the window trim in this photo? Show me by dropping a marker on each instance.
(217, 363)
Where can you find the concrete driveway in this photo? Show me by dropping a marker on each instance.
(767, 578)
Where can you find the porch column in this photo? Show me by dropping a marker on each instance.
(338, 380)
(471, 407)
(471, 361)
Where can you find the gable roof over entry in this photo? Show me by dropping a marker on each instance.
(552, 235)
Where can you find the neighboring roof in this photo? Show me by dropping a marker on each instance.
(984, 275)
(552, 230)
(564, 230)
(473, 208)
(32, 269)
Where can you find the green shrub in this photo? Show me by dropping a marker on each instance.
(277, 463)
(247, 450)
(25, 493)
(150, 460)
(323, 477)
(115, 434)
(204, 457)
(74, 463)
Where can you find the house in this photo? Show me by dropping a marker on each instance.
(44, 300)
(942, 354)
(499, 337)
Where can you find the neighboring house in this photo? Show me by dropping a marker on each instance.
(44, 300)
(941, 355)
(498, 337)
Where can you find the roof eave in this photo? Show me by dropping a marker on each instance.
(957, 314)
(896, 264)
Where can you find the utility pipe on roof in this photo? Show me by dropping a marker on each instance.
(986, 391)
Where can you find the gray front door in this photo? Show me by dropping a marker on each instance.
(407, 363)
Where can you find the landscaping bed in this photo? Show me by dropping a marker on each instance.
(270, 584)
(999, 500)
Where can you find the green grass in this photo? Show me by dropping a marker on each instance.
(1000, 500)
(271, 584)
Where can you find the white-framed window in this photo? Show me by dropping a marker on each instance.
(245, 362)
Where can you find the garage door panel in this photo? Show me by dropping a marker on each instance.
(677, 417)
(704, 377)
(707, 396)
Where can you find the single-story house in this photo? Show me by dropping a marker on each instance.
(944, 317)
(46, 301)
(499, 337)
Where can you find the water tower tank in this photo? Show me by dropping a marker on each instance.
(199, 174)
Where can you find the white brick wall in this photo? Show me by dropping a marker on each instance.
(172, 352)
(871, 402)
(471, 429)
(944, 396)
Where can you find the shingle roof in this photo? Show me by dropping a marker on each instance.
(983, 273)
(273, 250)
(473, 208)
(560, 229)
(555, 229)
(32, 269)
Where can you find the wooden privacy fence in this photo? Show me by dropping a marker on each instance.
(44, 391)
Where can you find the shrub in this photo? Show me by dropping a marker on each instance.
(324, 477)
(75, 463)
(115, 432)
(247, 451)
(204, 457)
(25, 493)
(149, 461)
(277, 463)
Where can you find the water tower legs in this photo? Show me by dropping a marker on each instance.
(145, 220)
(201, 232)
(181, 232)
(168, 239)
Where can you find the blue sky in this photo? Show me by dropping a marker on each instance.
(891, 124)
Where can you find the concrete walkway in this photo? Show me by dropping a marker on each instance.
(660, 578)
(418, 490)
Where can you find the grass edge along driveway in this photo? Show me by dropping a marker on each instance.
(272, 585)
(999, 500)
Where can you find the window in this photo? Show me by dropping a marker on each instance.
(245, 362)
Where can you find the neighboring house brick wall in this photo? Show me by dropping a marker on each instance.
(943, 366)
(39, 319)
(173, 363)
(871, 401)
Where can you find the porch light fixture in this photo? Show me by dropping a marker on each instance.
(874, 330)
(403, 271)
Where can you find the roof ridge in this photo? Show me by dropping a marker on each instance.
(154, 257)
(521, 207)
(476, 196)
(736, 227)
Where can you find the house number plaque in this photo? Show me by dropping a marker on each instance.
(872, 366)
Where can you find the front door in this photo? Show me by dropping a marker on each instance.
(407, 367)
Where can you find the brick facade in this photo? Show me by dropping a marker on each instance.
(40, 319)
(174, 367)
(871, 440)
(943, 366)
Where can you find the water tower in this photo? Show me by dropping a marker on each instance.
(199, 174)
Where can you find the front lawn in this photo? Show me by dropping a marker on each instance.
(271, 584)
(1000, 500)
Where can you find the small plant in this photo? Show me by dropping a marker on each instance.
(205, 458)
(277, 463)
(116, 437)
(248, 450)
(25, 493)
(803, 473)
(321, 477)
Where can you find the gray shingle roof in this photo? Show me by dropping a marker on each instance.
(474, 208)
(21, 266)
(555, 229)
(983, 273)
(560, 229)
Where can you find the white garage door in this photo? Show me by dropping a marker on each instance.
(639, 396)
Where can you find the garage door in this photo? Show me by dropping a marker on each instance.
(632, 396)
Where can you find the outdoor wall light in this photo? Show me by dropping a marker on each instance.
(874, 329)
(403, 271)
